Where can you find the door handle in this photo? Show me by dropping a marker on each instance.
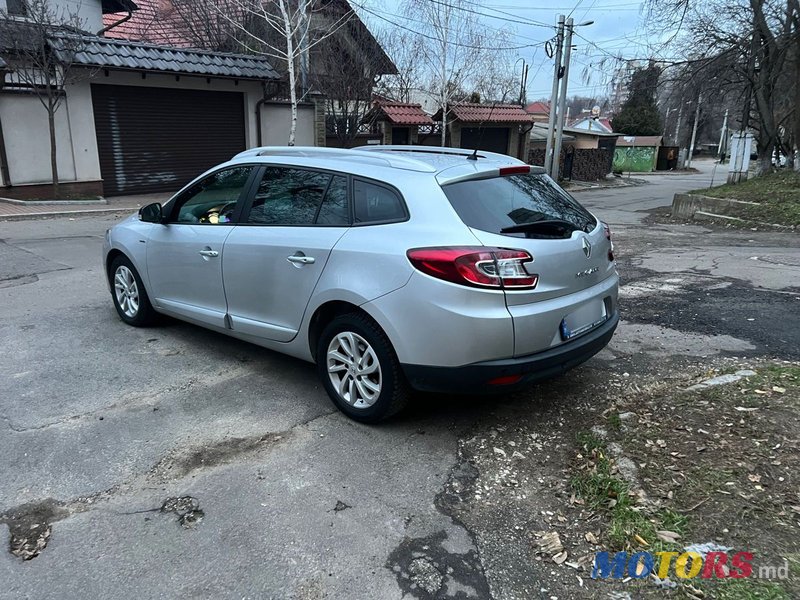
(301, 260)
(210, 253)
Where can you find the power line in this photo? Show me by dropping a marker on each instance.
(430, 37)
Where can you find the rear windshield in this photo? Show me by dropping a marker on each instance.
(500, 203)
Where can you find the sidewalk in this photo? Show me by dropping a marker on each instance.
(16, 210)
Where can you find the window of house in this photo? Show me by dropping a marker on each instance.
(17, 8)
(375, 203)
(213, 201)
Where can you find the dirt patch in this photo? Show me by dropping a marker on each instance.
(30, 526)
(185, 461)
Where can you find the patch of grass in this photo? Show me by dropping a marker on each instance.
(749, 589)
(778, 196)
(591, 442)
(614, 421)
(603, 491)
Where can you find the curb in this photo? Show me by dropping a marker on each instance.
(52, 202)
(66, 213)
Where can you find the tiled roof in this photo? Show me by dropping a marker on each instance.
(401, 113)
(95, 51)
(538, 108)
(639, 140)
(490, 113)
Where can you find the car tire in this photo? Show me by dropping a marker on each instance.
(130, 298)
(359, 369)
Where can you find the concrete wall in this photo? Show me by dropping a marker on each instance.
(276, 120)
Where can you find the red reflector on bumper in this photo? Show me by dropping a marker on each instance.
(505, 380)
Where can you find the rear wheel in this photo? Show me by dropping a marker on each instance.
(360, 370)
(130, 298)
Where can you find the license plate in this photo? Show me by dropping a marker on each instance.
(587, 317)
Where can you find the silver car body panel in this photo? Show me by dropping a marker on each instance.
(261, 297)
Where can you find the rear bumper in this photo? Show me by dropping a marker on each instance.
(474, 378)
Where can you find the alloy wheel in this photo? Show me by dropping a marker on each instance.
(126, 291)
(354, 369)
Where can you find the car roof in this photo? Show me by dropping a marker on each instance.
(444, 163)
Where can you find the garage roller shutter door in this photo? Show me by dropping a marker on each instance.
(159, 139)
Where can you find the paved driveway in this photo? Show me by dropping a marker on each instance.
(100, 424)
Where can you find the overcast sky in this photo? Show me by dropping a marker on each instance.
(618, 30)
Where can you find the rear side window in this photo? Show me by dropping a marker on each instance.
(288, 196)
(501, 203)
(376, 203)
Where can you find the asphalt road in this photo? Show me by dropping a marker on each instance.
(100, 424)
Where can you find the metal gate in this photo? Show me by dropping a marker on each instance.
(491, 139)
(158, 139)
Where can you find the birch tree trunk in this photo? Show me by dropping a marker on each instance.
(290, 54)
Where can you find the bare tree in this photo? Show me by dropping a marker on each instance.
(40, 52)
(406, 51)
(458, 50)
(741, 47)
(283, 30)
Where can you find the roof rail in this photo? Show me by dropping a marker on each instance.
(436, 150)
(355, 154)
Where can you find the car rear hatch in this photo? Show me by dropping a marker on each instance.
(571, 252)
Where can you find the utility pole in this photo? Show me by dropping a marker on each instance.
(723, 136)
(562, 104)
(694, 131)
(551, 123)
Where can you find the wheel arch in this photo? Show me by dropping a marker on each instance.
(326, 312)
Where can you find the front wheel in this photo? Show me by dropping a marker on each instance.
(130, 298)
(360, 370)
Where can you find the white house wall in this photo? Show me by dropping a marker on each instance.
(27, 138)
(276, 120)
(89, 12)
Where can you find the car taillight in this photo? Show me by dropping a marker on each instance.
(476, 266)
(607, 229)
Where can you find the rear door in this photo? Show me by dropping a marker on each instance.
(570, 250)
(184, 255)
(274, 258)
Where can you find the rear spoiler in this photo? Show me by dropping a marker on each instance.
(477, 170)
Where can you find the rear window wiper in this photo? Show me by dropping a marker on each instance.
(550, 226)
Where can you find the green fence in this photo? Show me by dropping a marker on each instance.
(631, 158)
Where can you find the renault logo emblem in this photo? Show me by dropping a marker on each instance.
(587, 247)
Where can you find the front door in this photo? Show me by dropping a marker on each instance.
(274, 258)
(184, 255)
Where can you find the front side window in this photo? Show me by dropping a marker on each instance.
(376, 203)
(213, 200)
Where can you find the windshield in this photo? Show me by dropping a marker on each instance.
(500, 204)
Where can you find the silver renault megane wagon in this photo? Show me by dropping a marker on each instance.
(391, 267)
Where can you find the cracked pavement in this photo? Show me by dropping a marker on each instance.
(101, 424)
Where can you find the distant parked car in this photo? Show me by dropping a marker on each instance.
(391, 267)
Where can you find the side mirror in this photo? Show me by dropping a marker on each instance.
(151, 213)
